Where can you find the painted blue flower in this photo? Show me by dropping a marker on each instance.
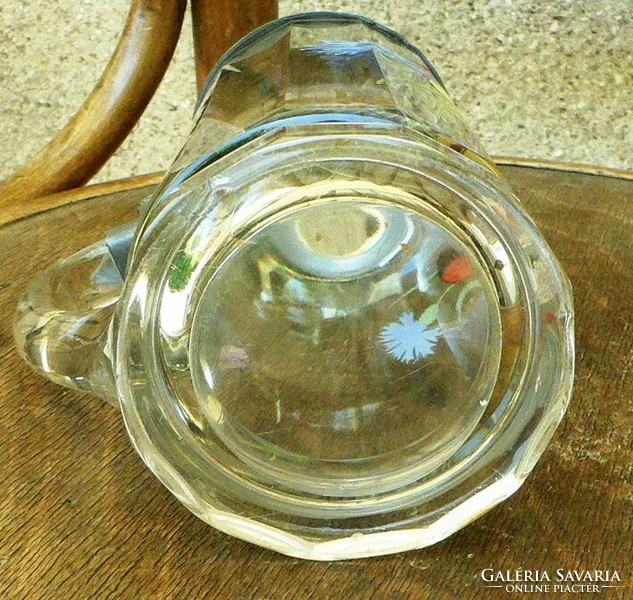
(409, 338)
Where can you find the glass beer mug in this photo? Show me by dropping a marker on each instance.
(333, 330)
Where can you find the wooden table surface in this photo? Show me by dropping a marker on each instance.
(82, 517)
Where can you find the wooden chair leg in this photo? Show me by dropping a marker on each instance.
(124, 90)
(108, 114)
(218, 24)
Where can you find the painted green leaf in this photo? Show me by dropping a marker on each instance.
(429, 315)
(463, 295)
(181, 271)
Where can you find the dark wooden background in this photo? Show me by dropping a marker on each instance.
(81, 516)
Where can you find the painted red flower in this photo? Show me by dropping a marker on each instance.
(459, 269)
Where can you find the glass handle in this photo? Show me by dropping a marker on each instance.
(63, 322)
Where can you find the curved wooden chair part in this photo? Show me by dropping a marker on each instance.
(119, 98)
(218, 24)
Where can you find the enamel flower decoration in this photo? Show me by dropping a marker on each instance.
(409, 339)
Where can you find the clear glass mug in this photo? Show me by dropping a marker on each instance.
(333, 331)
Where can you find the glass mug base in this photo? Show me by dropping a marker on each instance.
(337, 333)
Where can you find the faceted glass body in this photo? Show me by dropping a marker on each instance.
(337, 333)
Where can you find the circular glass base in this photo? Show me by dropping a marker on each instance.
(347, 347)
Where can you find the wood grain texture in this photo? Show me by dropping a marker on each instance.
(81, 517)
(218, 24)
(23, 211)
(108, 114)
